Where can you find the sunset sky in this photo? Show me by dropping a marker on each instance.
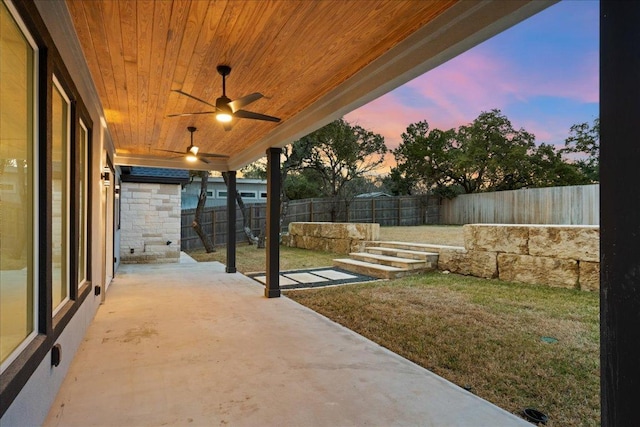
(542, 74)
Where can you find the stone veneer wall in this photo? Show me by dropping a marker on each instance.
(556, 255)
(329, 236)
(150, 217)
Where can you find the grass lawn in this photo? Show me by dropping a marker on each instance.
(488, 336)
(512, 344)
(251, 259)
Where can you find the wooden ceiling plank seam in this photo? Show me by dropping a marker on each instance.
(101, 68)
(177, 24)
(206, 33)
(208, 83)
(345, 65)
(238, 85)
(175, 103)
(144, 28)
(301, 55)
(113, 28)
(252, 18)
(352, 63)
(205, 47)
(129, 37)
(456, 31)
(161, 20)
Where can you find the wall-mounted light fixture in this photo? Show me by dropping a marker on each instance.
(105, 176)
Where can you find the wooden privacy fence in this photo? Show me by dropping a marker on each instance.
(574, 205)
(388, 211)
(214, 223)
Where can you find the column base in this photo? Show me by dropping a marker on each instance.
(271, 293)
(230, 270)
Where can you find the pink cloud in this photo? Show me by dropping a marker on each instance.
(479, 80)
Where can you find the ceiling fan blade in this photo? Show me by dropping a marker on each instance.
(169, 151)
(244, 101)
(190, 114)
(203, 160)
(243, 114)
(222, 156)
(193, 97)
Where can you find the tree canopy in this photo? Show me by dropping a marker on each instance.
(584, 140)
(488, 154)
(337, 154)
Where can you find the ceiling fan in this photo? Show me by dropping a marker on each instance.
(193, 154)
(226, 109)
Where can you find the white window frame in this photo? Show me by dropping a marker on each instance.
(244, 193)
(85, 202)
(32, 277)
(66, 188)
(221, 194)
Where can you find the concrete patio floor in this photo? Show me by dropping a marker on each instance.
(188, 344)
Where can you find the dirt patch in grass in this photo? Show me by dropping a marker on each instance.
(435, 234)
(484, 335)
(251, 259)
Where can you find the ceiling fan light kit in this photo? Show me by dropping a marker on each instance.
(225, 108)
(191, 153)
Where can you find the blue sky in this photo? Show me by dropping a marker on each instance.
(542, 74)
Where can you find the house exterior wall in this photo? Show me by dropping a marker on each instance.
(36, 380)
(150, 223)
(252, 191)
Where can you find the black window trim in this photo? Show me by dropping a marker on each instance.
(49, 328)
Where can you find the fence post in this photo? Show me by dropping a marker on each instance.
(311, 210)
(399, 209)
(213, 226)
(373, 211)
(250, 222)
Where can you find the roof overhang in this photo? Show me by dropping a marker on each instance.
(335, 72)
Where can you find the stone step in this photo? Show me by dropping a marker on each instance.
(423, 247)
(371, 269)
(403, 253)
(392, 261)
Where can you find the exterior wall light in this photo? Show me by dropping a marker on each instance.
(105, 176)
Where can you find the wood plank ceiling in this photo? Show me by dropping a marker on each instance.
(293, 52)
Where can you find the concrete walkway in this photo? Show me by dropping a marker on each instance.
(187, 344)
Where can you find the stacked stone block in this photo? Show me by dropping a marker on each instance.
(340, 238)
(556, 255)
(150, 218)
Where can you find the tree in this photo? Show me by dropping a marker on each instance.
(202, 200)
(255, 170)
(246, 226)
(491, 155)
(337, 154)
(423, 160)
(488, 154)
(585, 140)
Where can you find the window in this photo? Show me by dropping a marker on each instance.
(82, 162)
(60, 196)
(18, 296)
(209, 193)
(222, 194)
(263, 194)
(248, 194)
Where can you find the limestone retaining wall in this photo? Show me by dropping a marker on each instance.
(329, 236)
(555, 255)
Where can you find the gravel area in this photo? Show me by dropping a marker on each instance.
(435, 234)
